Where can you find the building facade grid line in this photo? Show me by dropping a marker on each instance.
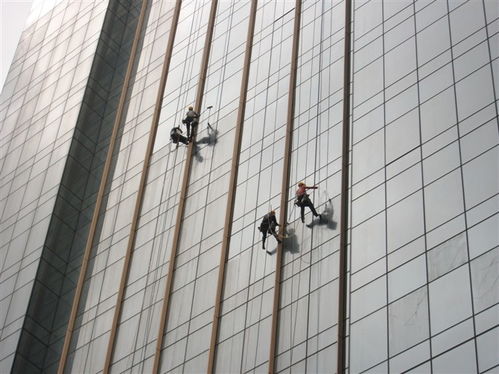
(229, 213)
(142, 187)
(183, 191)
(100, 193)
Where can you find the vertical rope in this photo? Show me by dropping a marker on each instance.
(142, 186)
(284, 186)
(229, 213)
(100, 193)
(183, 192)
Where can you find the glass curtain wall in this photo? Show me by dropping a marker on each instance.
(424, 187)
(99, 295)
(137, 328)
(40, 103)
(145, 288)
(308, 311)
(245, 321)
(196, 269)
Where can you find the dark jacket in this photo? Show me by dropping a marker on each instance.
(268, 221)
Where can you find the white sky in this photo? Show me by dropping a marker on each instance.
(13, 15)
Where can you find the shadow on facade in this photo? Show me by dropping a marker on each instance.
(326, 219)
(210, 140)
(291, 243)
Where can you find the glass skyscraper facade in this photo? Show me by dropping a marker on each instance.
(122, 252)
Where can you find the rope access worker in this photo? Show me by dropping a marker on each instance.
(268, 226)
(191, 119)
(303, 200)
(175, 136)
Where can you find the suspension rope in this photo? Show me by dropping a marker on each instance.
(154, 271)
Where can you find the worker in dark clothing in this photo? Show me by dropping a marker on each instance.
(268, 225)
(191, 119)
(303, 200)
(176, 136)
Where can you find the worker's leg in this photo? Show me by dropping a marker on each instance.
(264, 237)
(193, 130)
(311, 207)
(183, 139)
(274, 233)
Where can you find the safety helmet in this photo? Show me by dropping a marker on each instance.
(301, 184)
(191, 108)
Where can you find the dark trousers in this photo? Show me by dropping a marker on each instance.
(269, 230)
(307, 203)
(179, 138)
(188, 121)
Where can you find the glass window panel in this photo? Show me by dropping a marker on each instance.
(487, 319)
(204, 292)
(487, 347)
(368, 156)
(256, 345)
(126, 337)
(237, 273)
(433, 40)
(367, 54)
(293, 322)
(368, 124)
(368, 298)
(228, 355)
(180, 302)
(482, 211)
(481, 178)
(368, 205)
(437, 114)
(400, 32)
(447, 256)
(322, 309)
(466, 19)
(368, 81)
(173, 355)
(443, 199)
(406, 253)
(474, 92)
(435, 82)
(406, 183)
(402, 135)
(408, 359)
(459, 360)
(405, 221)
(400, 61)
(471, 60)
(323, 361)
(196, 343)
(367, 16)
(441, 162)
(429, 13)
(367, 184)
(406, 278)
(401, 104)
(368, 339)
(445, 231)
(451, 289)
(484, 280)
(408, 321)
(479, 140)
(452, 337)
